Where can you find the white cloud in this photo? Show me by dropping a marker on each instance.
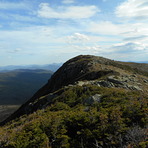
(83, 43)
(77, 37)
(71, 12)
(108, 28)
(135, 38)
(86, 49)
(130, 47)
(133, 9)
(137, 32)
(27, 40)
(68, 1)
(95, 49)
(127, 51)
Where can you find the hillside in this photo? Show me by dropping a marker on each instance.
(18, 85)
(89, 102)
(7, 110)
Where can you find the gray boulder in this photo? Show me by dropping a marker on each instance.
(93, 99)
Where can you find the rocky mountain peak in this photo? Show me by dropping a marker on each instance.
(88, 67)
(83, 67)
(84, 70)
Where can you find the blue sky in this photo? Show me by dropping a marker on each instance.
(52, 31)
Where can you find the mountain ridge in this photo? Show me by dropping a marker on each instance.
(88, 68)
(89, 102)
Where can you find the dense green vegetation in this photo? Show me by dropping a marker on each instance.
(19, 85)
(117, 120)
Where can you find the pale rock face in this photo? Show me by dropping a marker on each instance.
(93, 99)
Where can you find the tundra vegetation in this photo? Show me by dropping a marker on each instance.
(117, 119)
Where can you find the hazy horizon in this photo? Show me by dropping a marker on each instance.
(28, 65)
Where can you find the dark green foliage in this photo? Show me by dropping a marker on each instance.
(59, 106)
(30, 136)
(70, 123)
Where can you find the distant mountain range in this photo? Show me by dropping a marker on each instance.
(53, 67)
(18, 83)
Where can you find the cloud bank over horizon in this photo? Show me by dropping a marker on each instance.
(44, 31)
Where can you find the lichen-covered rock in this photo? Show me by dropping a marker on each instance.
(93, 99)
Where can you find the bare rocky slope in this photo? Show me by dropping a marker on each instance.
(87, 70)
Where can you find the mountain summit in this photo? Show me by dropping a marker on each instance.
(90, 102)
(88, 69)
